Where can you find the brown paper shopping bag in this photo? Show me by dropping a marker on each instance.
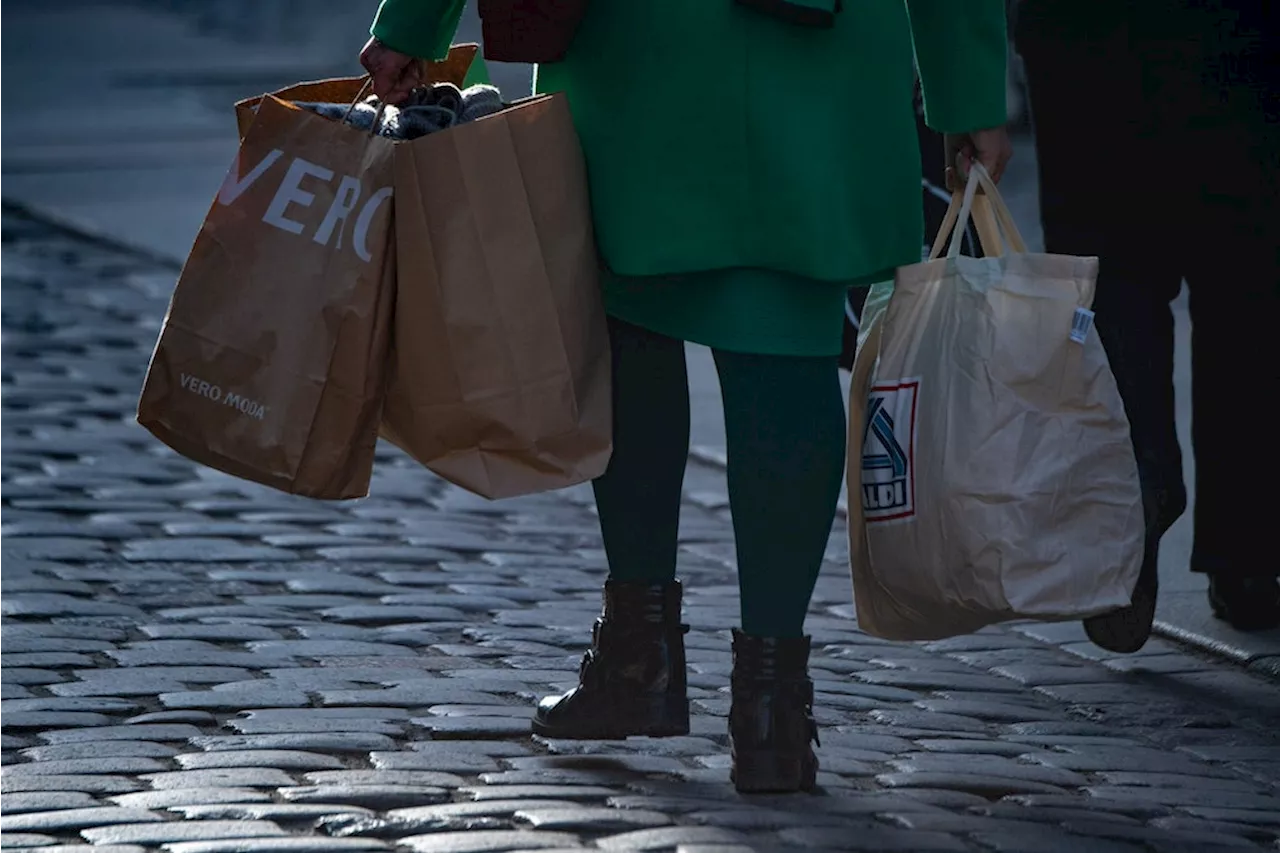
(500, 370)
(271, 362)
(991, 474)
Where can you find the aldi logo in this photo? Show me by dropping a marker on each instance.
(888, 451)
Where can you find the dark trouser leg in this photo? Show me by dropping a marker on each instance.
(1235, 307)
(1135, 324)
(785, 428)
(1233, 240)
(638, 497)
(1131, 225)
(1235, 376)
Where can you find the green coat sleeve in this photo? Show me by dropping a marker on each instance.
(420, 28)
(961, 53)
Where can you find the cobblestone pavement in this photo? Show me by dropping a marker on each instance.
(200, 665)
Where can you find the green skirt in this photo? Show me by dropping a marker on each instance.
(739, 310)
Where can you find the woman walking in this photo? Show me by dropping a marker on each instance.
(749, 162)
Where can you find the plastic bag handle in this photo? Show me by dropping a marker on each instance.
(960, 211)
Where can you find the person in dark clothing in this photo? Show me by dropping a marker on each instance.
(1159, 149)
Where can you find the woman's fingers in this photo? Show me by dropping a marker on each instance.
(395, 75)
(993, 150)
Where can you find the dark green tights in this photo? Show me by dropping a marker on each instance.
(785, 430)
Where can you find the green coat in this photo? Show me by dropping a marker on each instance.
(718, 138)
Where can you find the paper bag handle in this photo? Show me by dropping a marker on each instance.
(960, 211)
(377, 116)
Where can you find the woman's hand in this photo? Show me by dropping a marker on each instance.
(394, 74)
(990, 147)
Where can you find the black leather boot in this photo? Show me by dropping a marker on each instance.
(632, 681)
(1248, 603)
(771, 720)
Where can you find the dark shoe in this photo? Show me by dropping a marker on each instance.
(1249, 604)
(1127, 630)
(632, 681)
(771, 719)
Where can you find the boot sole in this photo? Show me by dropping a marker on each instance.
(771, 772)
(667, 717)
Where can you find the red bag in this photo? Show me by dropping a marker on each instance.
(529, 30)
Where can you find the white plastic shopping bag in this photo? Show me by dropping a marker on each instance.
(991, 475)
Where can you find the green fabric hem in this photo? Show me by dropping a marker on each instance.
(738, 310)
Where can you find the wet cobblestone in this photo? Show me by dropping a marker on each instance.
(199, 663)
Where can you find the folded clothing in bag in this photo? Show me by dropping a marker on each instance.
(428, 109)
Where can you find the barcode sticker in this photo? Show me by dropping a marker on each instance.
(1081, 323)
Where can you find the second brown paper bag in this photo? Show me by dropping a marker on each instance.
(500, 373)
